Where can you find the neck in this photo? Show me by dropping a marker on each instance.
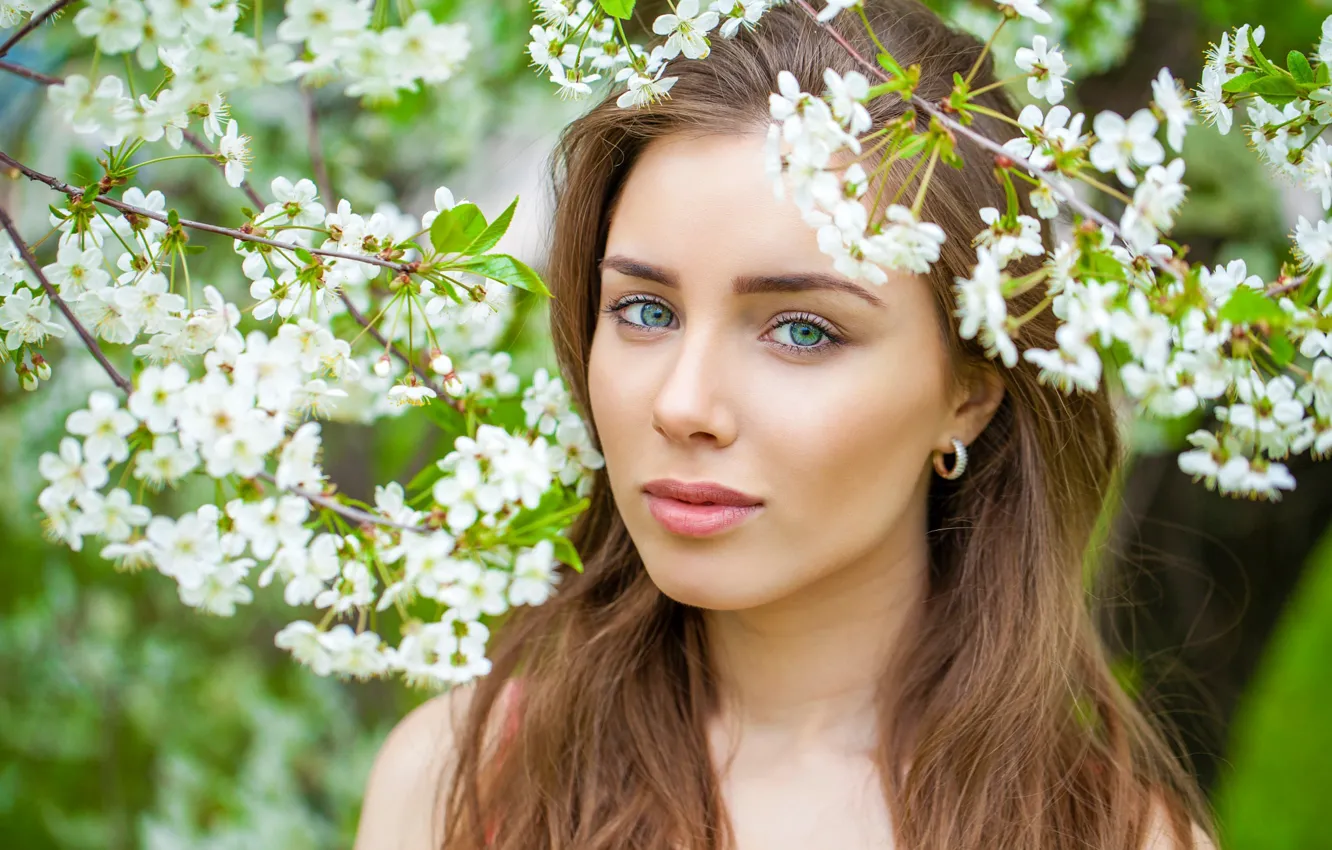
(807, 668)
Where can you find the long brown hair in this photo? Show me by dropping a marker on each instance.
(1017, 734)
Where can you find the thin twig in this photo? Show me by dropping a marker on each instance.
(88, 339)
(195, 142)
(317, 163)
(74, 191)
(202, 147)
(345, 510)
(1070, 197)
(32, 24)
(28, 73)
(124, 384)
(249, 237)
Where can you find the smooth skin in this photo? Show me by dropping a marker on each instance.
(724, 369)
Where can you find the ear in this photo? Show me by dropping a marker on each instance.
(976, 398)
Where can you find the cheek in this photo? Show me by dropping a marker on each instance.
(617, 401)
(847, 451)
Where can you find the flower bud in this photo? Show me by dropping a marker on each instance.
(28, 380)
(442, 364)
(43, 368)
(383, 366)
(454, 386)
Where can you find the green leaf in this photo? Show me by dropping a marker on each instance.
(622, 9)
(1259, 59)
(446, 417)
(1275, 86)
(1273, 796)
(1323, 75)
(891, 65)
(1283, 350)
(1240, 83)
(506, 270)
(1298, 65)
(454, 229)
(566, 553)
(493, 232)
(303, 255)
(1248, 305)
(425, 479)
(173, 218)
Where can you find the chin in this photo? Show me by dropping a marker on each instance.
(705, 583)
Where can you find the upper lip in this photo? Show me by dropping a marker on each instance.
(699, 492)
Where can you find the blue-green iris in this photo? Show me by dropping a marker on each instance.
(656, 311)
(811, 337)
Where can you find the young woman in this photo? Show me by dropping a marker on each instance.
(871, 638)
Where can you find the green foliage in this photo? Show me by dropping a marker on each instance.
(454, 229)
(1247, 306)
(505, 269)
(1275, 795)
(623, 9)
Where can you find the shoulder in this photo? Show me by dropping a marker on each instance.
(1160, 835)
(404, 795)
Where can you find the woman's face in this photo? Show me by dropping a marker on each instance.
(729, 351)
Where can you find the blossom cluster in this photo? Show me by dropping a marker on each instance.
(239, 409)
(1186, 339)
(352, 315)
(208, 58)
(578, 42)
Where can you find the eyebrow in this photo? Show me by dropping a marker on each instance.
(746, 284)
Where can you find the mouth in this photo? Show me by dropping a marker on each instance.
(698, 509)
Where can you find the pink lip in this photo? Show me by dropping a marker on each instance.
(698, 509)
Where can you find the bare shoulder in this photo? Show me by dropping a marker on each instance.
(404, 796)
(1161, 837)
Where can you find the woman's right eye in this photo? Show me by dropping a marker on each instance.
(640, 312)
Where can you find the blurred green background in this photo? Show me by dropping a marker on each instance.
(128, 720)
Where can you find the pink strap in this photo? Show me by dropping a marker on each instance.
(510, 708)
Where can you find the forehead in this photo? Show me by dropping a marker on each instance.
(707, 200)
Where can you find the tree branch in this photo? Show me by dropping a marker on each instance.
(74, 191)
(88, 339)
(28, 73)
(1079, 205)
(32, 24)
(125, 386)
(202, 147)
(356, 314)
(317, 163)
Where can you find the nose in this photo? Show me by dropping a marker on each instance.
(691, 404)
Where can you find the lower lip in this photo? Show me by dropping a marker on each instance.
(697, 520)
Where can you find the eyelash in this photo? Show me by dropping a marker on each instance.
(833, 339)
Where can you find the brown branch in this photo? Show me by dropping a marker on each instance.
(88, 339)
(33, 22)
(994, 147)
(28, 73)
(74, 191)
(193, 138)
(345, 510)
(249, 237)
(202, 147)
(317, 163)
(125, 386)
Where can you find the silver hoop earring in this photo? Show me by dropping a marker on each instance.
(959, 465)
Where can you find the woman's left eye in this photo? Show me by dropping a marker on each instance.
(803, 335)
